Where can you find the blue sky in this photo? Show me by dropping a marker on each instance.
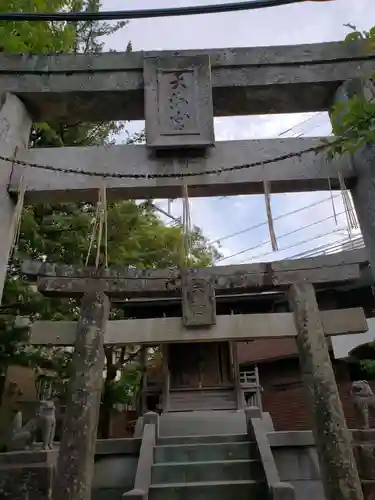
(309, 22)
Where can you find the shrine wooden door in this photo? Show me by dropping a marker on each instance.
(199, 365)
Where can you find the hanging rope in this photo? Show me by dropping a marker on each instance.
(271, 227)
(186, 227)
(332, 201)
(15, 227)
(93, 233)
(100, 226)
(348, 206)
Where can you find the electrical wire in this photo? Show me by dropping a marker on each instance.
(312, 224)
(354, 242)
(144, 13)
(174, 219)
(298, 136)
(298, 243)
(261, 224)
(300, 123)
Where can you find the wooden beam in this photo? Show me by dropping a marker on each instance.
(310, 172)
(231, 328)
(71, 281)
(258, 80)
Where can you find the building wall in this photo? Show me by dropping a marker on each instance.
(19, 393)
(284, 395)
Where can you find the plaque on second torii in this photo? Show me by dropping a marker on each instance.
(196, 287)
(198, 300)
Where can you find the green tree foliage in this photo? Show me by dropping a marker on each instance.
(354, 120)
(35, 37)
(368, 365)
(61, 232)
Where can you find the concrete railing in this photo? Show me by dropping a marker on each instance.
(277, 490)
(146, 459)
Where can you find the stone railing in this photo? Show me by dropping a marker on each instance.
(277, 489)
(146, 458)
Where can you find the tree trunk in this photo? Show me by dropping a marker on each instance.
(105, 415)
(2, 386)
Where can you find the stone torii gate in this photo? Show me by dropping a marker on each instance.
(179, 93)
(198, 288)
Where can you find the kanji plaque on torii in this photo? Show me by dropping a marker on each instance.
(198, 300)
(178, 102)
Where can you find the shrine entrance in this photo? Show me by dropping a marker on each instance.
(200, 376)
(200, 365)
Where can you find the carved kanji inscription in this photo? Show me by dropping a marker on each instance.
(179, 116)
(178, 102)
(198, 300)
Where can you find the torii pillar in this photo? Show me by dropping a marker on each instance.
(15, 127)
(363, 192)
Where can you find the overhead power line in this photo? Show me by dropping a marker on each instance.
(145, 13)
(309, 119)
(174, 219)
(289, 233)
(355, 242)
(264, 223)
(298, 243)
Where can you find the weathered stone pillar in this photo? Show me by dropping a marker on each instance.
(15, 127)
(143, 363)
(363, 161)
(167, 378)
(77, 448)
(332, 438)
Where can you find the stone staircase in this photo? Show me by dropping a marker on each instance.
(202, 399)
(225, 467)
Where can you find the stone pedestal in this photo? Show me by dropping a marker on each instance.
(364, 452)
(26, 475)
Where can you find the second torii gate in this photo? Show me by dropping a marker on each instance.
(199, 324)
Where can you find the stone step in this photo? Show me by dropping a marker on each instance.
(216, 490)
(220, 399)
(218, 438)
(188, 472)
(206, 423)
(368, 487)
(205, 452)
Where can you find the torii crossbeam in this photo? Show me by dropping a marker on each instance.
(55, 279)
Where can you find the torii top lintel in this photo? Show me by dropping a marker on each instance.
(244, 81)
(130, 282)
